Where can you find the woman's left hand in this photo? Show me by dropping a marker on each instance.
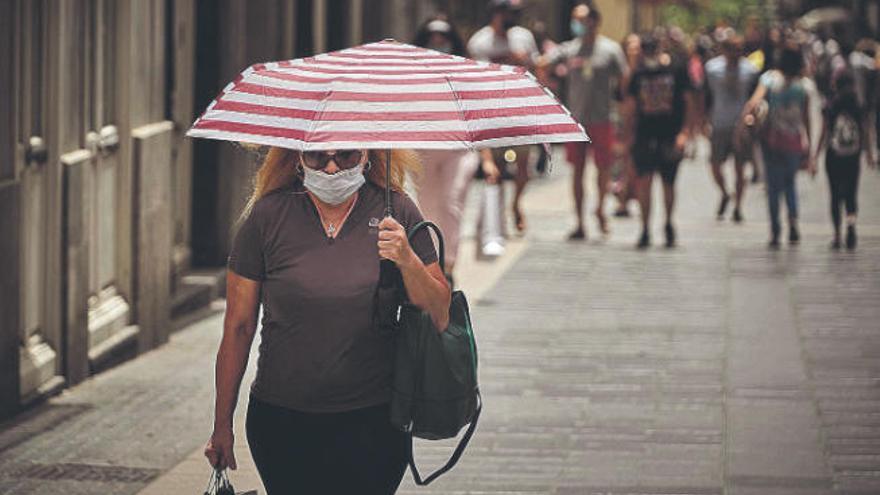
(393, 243)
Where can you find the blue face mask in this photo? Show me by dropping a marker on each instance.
(578, 29)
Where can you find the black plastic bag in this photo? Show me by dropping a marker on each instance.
(219, 484)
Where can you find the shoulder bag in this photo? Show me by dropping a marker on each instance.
(434, 389)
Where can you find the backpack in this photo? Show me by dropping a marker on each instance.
(845, 135)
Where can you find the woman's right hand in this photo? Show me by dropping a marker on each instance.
(219, 449)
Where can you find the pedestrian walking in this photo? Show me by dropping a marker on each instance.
(551, 80)
(595, 64)
(785, 141)
(505, 41)
(831, 60)
(317, 419)
(439, 34)
(730, 78)
(624, 184)
(864, 74)
(704, 49)
(846, 134)
(446, 175)
(697, 54)
(660, 109)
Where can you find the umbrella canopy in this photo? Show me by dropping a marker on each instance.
(386, 95)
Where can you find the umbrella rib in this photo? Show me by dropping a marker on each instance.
(467, 130)
(320, 113)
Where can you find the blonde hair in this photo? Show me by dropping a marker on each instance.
(280, 168)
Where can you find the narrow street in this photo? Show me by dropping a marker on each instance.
(718, 367)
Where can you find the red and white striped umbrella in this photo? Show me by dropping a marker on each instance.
(386, 95)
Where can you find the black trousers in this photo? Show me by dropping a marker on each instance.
(352, 452)
(843, 179)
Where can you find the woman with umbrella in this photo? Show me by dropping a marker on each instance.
(327, 207)
(306, 250)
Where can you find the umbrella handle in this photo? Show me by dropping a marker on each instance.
(388, 273)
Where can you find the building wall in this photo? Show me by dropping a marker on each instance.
(616, 18)
(10, 218)
(88, 80)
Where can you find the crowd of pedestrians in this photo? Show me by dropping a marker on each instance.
(647, 99)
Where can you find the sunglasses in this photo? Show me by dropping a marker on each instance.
(344, 159)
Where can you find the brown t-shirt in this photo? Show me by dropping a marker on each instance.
(319, 351)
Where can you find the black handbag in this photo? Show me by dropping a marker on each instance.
(434, 389)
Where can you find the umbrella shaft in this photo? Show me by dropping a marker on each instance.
(389, 211)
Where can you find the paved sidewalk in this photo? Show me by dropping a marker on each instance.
(715, 368)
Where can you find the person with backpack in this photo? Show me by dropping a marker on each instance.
(785, 137)
(846, 133)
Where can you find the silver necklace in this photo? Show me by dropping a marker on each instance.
(331, 227)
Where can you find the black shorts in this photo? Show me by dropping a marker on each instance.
(657, 155)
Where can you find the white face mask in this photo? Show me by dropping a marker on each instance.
(333, 189)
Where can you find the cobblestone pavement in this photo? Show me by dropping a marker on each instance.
(715, 368)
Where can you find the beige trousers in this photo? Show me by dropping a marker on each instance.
(442, 191)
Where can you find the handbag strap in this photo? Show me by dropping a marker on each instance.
(432, 226)
(456, 455)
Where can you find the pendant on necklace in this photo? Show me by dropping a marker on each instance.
(331, 229)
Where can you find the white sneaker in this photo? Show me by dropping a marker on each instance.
(493, 249)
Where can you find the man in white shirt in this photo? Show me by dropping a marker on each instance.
(504, 41)
(730, 78)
